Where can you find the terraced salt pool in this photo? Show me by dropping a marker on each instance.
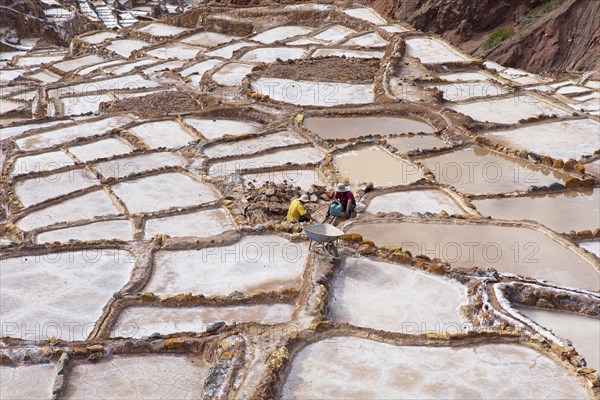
(253, 145)
(513, 250)
(560, 140)
(307, 93)
(508, 110)
(477, 170)
(144, 321)
(582, 331)
(138, 377)
(562, 212)
(353, 368)
(363, 291)
(297, 156)
(353, 127)
(374, 164)
(254, 263)
(414, 201)
(57, 289)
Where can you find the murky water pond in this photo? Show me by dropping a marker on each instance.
(583, 331)
(478, 171)
(352, 127)
(562, 212)
(374, 164)
(513, 250)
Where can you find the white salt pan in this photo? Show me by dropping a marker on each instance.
(88, 206)
(160, 192)
(168, 134)
(105, 230)
(205, 223)
(101, 149)
(265, 262)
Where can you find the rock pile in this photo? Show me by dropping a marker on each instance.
(270, 202)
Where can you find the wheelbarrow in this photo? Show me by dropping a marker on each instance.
(325, 235)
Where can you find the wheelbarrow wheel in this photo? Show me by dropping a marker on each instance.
(332, 249)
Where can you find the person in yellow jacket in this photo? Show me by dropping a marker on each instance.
(296, 212)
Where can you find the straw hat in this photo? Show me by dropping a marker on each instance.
(304, 198)
(341, 188)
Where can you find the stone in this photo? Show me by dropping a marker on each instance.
(279, 357)
(174, 343)
(215, 326)
(558, 163)
(352, 237)
(147, 296)
(556, 186)
(400, 257)
(366, 249)
(5, 360)
(437, 268)
(580, 169)
(58, 384)
(585, 234)
(573, 183)
(368, 242)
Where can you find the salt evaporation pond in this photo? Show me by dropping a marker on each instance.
(466, 91)
(297, 156)
(147, 320)
(366, 15)
(303, 178)
(334, 33)
(307, 93)
(432, 51)
(353, 368)
(405, 144)
(217, 128)
(168, 134)
(204, 223)
(104, 230)
(208, 39)
(281, 33)
(390, 297)
(87, 206)
(582, 331)
(101, 149)
(508, 110)
(353, 127)
(271, 54)
(254, 263)
(41, 162)
(253, 145)
(480, 171)
(163, 191)
(122, 167)
(413, 201)
(562, 212)
(560, 140)
(137, 378)
(374, 164)
(27, 381)
(513, 250)
(36, 190)
(41, 296)
(53, 137)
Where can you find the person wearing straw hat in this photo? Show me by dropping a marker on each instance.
(344, 196)
(297, 213)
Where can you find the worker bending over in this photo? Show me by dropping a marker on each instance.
(297, 213)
